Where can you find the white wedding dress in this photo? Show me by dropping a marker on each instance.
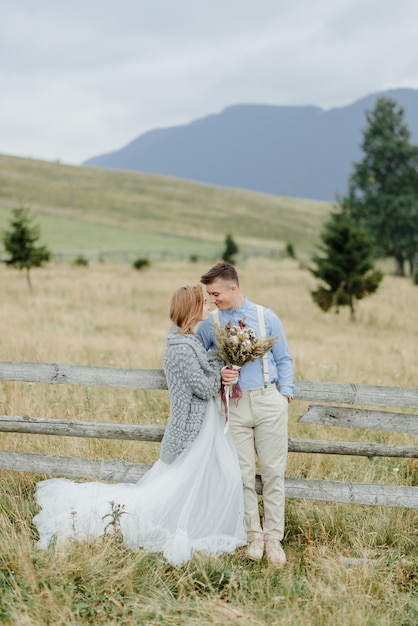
(194, 503)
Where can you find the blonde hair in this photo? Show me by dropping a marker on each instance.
(186, 306)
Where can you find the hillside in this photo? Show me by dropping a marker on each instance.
(297, 151)
(91, 208)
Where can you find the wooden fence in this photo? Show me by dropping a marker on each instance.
(129, 256)
(319, 413)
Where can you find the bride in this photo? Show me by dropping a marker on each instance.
(192, 497)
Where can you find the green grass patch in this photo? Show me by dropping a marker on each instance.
(91, 208)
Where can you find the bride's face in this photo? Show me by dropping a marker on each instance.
(205, 310)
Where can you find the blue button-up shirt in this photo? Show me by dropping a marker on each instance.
(280, 363)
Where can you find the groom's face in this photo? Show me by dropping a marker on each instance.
(222, 294)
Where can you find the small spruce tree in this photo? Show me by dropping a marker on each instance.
(230, 250)
(345, 265)
(19, 243)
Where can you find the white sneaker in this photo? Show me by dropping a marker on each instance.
(275, 553)
(255, 549)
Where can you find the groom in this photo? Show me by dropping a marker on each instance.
(258, 424)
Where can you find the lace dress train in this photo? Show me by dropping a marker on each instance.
(194, 503)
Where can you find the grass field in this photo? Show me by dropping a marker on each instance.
(347, 564)
(81, 208)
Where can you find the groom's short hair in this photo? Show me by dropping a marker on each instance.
(222, 270)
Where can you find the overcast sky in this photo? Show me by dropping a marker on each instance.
(83, 77)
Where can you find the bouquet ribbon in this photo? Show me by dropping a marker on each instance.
(233, 390)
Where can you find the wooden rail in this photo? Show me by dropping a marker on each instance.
(121, 471)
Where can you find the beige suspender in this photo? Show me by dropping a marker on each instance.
(260, 313)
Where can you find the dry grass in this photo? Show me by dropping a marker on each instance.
(115, 316)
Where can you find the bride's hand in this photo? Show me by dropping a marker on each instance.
(229, 376)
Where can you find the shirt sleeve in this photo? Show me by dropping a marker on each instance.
(281, 354)
(204, 330)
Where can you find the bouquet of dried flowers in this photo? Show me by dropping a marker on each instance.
(238, 345)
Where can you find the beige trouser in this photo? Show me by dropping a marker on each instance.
(258, 426)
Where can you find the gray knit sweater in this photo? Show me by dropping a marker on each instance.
(193, 377)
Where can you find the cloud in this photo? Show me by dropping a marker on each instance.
(84, 77)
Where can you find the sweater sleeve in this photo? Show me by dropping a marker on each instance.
(204, 382)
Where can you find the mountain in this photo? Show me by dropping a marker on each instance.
(297, 151)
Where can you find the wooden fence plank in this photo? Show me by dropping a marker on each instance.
(352, 448)
(75, 428)
(122, 471)
(75, 467)
(133, 432)
(55, 373)
(405, 397)
(352, 493)
(348, 417)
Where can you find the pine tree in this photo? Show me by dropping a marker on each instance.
(20, 242)
(383, 189)
(345, 266)
(230, 250)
